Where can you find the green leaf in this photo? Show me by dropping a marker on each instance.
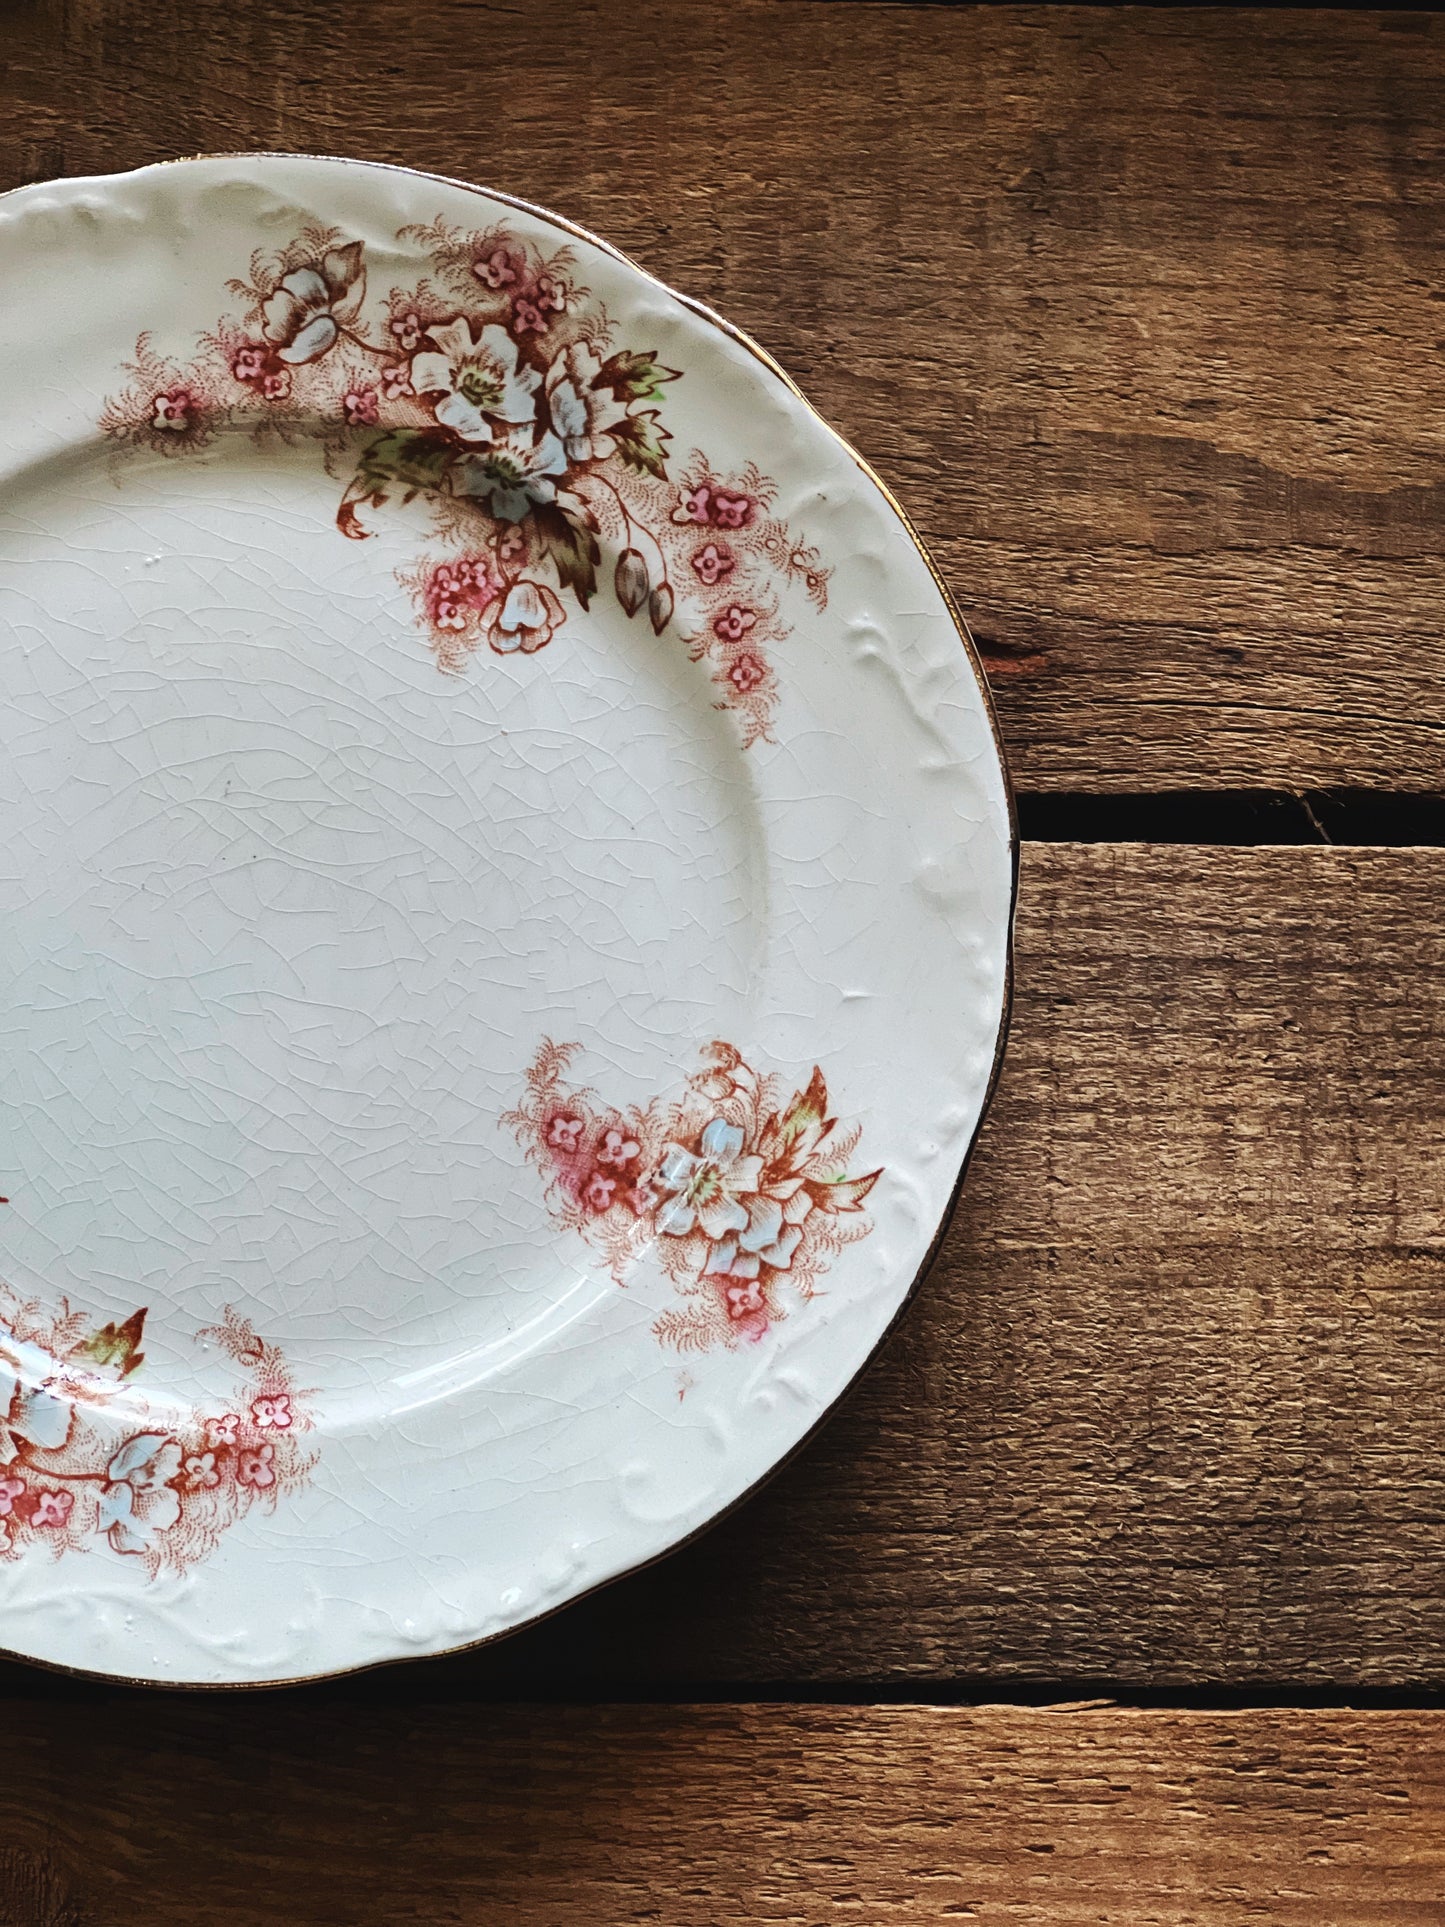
(571, 547)
(117, 1344)
(632, 376)
(642, 443)
(407, 459)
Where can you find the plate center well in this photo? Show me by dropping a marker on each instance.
(285, 911)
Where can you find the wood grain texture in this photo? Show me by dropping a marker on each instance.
(703, 1817)
(33, 1891)
(1138, 309)
(1168, 1408)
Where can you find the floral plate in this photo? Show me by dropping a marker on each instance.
(504, 917)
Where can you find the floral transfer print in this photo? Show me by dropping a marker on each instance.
(492, 390)
(85, 1464)
(744, 1196)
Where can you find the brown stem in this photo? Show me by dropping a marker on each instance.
(369, 347)
(43, 1472)
(629, 522)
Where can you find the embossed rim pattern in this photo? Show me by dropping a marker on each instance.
(712, 320)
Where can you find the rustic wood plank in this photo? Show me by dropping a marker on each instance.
(1138, 308)
(1169, 1407)
(33, 1892)
(203, 1816)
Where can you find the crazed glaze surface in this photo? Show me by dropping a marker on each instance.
(287, 918)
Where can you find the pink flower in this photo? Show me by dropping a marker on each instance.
(447, 613)
(617, 1148)
(745, 1306)
(565, 1134)
(395, 380)
(498, 269)
(745, 1300)
(10, 1491)
(273, 1412)
(735, 623)
(549, 293)
(694, 505)
(52, 1508)
(255, 1468)
(276, 385)
(362, 406)
(173, 410)
(222, 1431)
(526, 618)
(527, 316)
(597, 1192)
(746, 673)
(408, 330)
(511, 545)
(251, 362)
(731, 511)
(641, 1199)
(713, 563)
(200, 1471)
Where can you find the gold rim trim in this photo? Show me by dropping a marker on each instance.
(970, 649)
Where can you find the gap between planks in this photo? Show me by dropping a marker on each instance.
(1165, 1412)
(1135, 307)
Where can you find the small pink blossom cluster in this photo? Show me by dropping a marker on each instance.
(535, 299)
(745, 670)
(743, 1195)
(714, 507)
(37, 1506)
(598, 1161)
(232, 1449)
(458, 591)
(257, 365)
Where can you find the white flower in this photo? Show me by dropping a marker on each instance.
(515, 474)
(478, 377)
(581, 414)
(299, 319)
(525, 619)
(766, 1240)
(708, 1184)
(141, 1500)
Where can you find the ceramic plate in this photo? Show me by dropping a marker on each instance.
(504, 914)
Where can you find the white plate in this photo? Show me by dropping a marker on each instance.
(504, 916)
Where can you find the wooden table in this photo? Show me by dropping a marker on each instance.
(1117, 1590)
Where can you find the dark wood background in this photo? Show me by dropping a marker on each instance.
(1117, 1590)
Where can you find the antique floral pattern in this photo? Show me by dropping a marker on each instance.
(87, 1462)
(745, 1195)
(493, 391)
